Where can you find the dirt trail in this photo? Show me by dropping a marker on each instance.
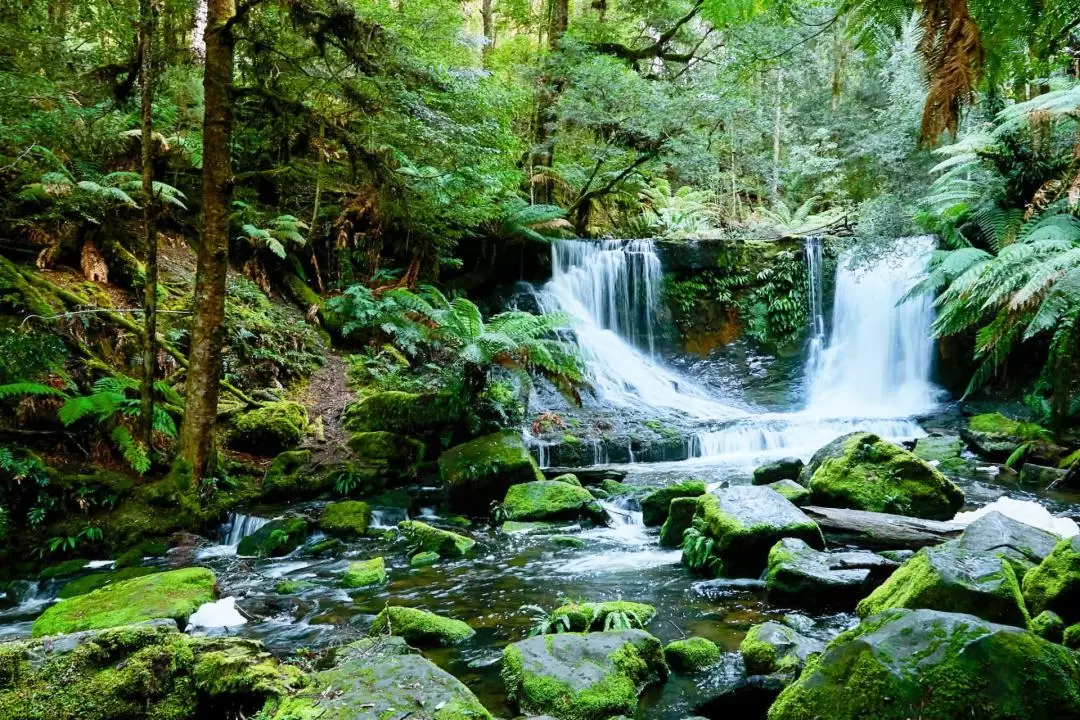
(326, 395)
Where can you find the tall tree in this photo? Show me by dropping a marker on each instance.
(147, 23)
(544, 141)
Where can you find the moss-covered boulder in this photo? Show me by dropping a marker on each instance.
(863, 472)
(792, 491)
(1040, 477)
(655, 505)
(237, 672)
(951, 579)
(482, 470)
(550, 500)
(744, 522)
(574, 676)
(422, 415)
(680, 517)
(942, 451)
(173, 595)
(377, 679)
(1049, 626)
(568, 478)
(420, 627)
(692, 654)
(774, 648)
(270, 429)
(128, 559)
(395, 455)
(424, 559)
(66, 568)
(583, 617)
(93, 581)
(1023, 545)
(798, 575)
(366, 573)
(348, 520)
(783, 469)
(996, 437)
(291, 477)
(1055, 583)
(275, 538)
(421, 537)
(934, 666)
(292, 587)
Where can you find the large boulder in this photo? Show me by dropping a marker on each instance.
(420, 627)
(744, 522)
(275, 538)
(774, 648)
(996, 437)
(783, 469)
(952, 579)
(934, 666)
(348, 519)
(93, 581)
(655, 505)
(270, 429)
(582, 677)
(376, 679)
(1055, 583)
(550, 500)
(422, 538)
(945, 452)
(291, 477)
(427, 415)
(800, 575)
(393, 455)
(171, 595)
(680, 518)
(863, 472)
(482, 470)
(1023, 545)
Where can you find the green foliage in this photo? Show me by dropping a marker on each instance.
(545, 623)
(684, 214)
(697, 549)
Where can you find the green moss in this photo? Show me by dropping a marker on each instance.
(175, 594)
(424, 538)
(758, 656)
(289, 477)
(424, 559)
(349, 519)
(691, 654)
(1071, 637)
(292, 587)
(68, 567)
(270, 429)
(153, 548)
(89, 583)
(1054, 584)
(131, 558)
(324, 546)
(617, 488)
(998, 424)
(944, 450)
(549, 500)
(568, 478)
(393, 452)
(1049, 626)
(402, 412)
(420, 627)
(587, 616)
(275, 538)
(680, 517)
(486, 467)
(791, 491)
(364, 574)
(567, 541)
(870, 474)
(236, 667)
(655, 505)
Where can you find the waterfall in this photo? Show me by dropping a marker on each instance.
(613, 289)
(239, 527)
(814, 270)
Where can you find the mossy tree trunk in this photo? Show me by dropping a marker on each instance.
(147, 26)
(543, 153)
(197, 449)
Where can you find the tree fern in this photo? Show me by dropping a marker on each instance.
(28, 388)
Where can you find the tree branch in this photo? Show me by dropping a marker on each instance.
(658, 49)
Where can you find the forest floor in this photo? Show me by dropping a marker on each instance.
(325, 397)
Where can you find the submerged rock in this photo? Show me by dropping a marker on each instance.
(420, 627)
(275, 538)
(692, 654)
(861, 471)
(1023, 545)
(1040, 476)
(1055, 583)
(484, 469)
(424, 559)
(550, 500)
(774, 648)
(364, 574)
(582, 677)
(173, 595)
(270, 429)
(934, 666)
(421, 537)
(655, 505)
(800, 575)
(583, 617)
(783, 469)
(348, 519)
(951, 578)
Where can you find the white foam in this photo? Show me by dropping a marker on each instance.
(1025, 511)
(220, 614)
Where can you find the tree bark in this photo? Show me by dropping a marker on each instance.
(776, 136)
(489, 29)
(147, 27)
(197, 447)
(543, 154)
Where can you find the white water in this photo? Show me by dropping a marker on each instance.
(220, 614)
(1025, 511)
(238, 528)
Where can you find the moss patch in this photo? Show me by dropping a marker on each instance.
(292, 587)
(424, 559)
(549, 500)
(364, 574)
(680, 517)
(655, 505)
(275, 538)
(692, 654)
(583, 617)
(484, 468)
(420, 627)
(89, 583)
(1054, 584)
(348, 520)
(421, 537)
(270, 429)
(395, 454)
(290, 477)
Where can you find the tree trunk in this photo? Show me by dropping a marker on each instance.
(489, 29)
(543, 154)
(776, 136)
(197, 448)
(147, 23)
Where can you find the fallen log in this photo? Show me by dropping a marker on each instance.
(586, 476)
(881, 530)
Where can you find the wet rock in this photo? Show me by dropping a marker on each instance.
(792, 491)
(291, 478)
(482, 470)
(800, 575)
(550, 500)
(292, 587)
(421, 537)
(881, 530)
(1040, 476)
(680, 517)
(748, 699)
(88, 583)
(944, 452)
(348, 519)
(174, 595)
(771, 648)
(951, 578)
(568, 478)
(582, 677)
(861, 471)
(270, 429)
(785, 469)
(364, 574)
(424, 559)
(583, 617)
(935, 666)
(395, 455)
(1055, 583)
(655, 505)
(1023, 545)
(691, 655)
(586, 475)
(420, 627)
(996, 437)
(378, 680)
(275, 538)
(744, 522)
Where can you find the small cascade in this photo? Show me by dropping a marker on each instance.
(240, 526)
(387, 518)
(794, 434)
(623, 512)
(815, 268)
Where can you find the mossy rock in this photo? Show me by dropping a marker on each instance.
(1071, 637)
(584, 617)
(1023, 546)
(934, 666)
(692, 654)
(1055, 583)
(995, 436)
(175, 594)
(64, 569)
(680, 518)
(783, 469)
(791, 491)
(484, 469)
(517, 527)
(568, 478)
(945, 450)
(348, 520)
(572, 676)
(421, 537)
(655, 505)
(325, 546)
(377, 679)
(424, 559)
(364, 574)
(292, 587)
(798, 575)
(1049, 626)
(863, 472)
(950, 578)
(154, 547)
(550, 500)
(290, 477)
(417, 415)
(128, 559)
(420, 627)
(275, 538)
(270, 429)
(89, 583)
(238, 668)
(397, 455)
(774, 648)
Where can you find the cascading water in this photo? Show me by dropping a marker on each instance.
(814, 269)
(612, 288)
